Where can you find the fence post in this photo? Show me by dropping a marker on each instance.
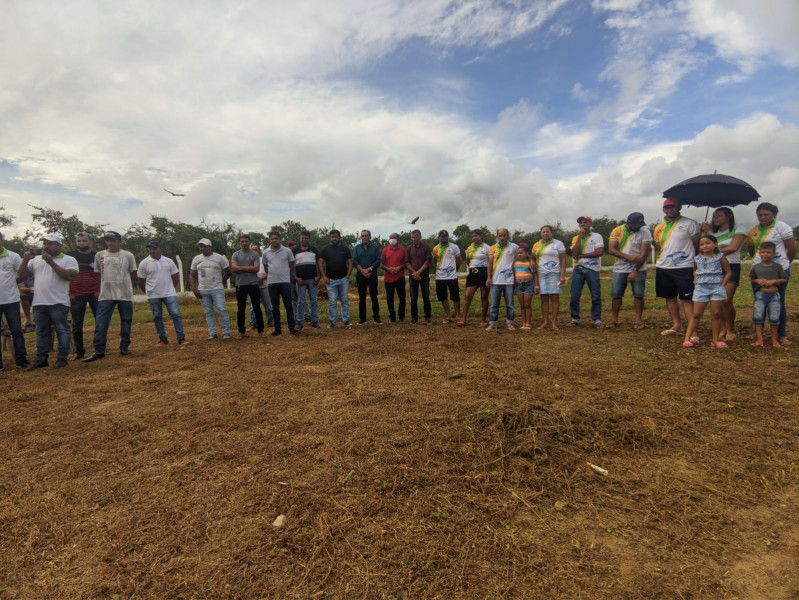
(180, 270)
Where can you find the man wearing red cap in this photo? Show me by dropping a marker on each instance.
(587, 250)
(677, 239)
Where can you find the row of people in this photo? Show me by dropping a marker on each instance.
(103, 281)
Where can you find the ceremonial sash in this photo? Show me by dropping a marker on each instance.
(473, 252)
(442, 250)
(625, 237)
(764, 231)
(667, 231)
(541, 247)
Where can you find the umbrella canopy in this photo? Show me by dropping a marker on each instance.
(713, 191)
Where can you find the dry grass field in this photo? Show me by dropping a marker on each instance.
(408, 462)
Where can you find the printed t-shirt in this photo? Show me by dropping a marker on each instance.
(335, 257)
(158, 276)
(50, 288)
(278, 265)
(246, 259)
(630, 242)
(777, 232)
(770, 272)
(548, 255)
(588, 245)
(115, 269)
(446, 258)
(305, 261)
(209, 271)
(477, 256)
(9, 265)
(393, 256)
(675, 239)
(503, 263)
(87, 281)
(724, 238)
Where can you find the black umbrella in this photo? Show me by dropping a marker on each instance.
(713, 191)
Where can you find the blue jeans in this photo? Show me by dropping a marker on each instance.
(767, 303)
(270, 320)
(338, 289)
(782, 332)
(581, 276)
(302, 301)
(105, 308)
(56, 315)
(173, 309)
(215, 299)
(498, 291)
(416, 284)
(276, 292)
(14, 320)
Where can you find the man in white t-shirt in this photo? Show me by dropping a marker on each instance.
(447, 257)
(117, 269)
(9, 302)
(500, 279)
(209, 273)
(158, 277)
(52, 271)
(587, 250)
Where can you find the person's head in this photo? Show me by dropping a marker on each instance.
(245, 242)
(766, 213)
(52, 243)
(722, 219)
(154, 249)
(522, 254)
(584, 224)
(443, 236)
(477, 236)
(416, 237)
(291, 244)
(502, 236)
(83, 242)
(274, 239)
(767, 251)
(305, 239)
(113, 240)
(256, 248)
(393, 239)
(546, 233)
(671, 208)
(335, 237)
(206, 248)
(2, 239)
(366, 237)
(708, 244)
(635, 221)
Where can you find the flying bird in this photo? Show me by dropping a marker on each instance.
(414, 221)
(173, 193)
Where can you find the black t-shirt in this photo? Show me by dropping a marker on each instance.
(305, 261)
(336, 258)
(85, 261)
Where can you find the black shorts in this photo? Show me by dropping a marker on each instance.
(444, 285)
(674, 283)
(477, 277)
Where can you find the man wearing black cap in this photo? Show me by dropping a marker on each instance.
(117, 269)
(158, 277)
(630, 244)
(447, 257)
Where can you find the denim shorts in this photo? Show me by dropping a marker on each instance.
(767, 302)
(548, 283)
(619, 285)
(525, 287)
(709, 292)
(735, 273)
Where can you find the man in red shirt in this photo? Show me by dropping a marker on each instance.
(392, 261)
(83, 290)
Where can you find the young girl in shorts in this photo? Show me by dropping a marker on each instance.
(526, 280)
(711, 274)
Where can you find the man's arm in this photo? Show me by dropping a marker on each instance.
(349, 267)
(293, 273)
(613, 250)
(175, 281)
(63, 273)
(490, 269)
(790, 248)
(143, 283)
(193, 283)
(321, 264)
(225, 275)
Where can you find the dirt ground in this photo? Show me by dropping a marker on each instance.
(407, 462)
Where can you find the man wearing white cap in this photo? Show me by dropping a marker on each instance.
(117, 269)
(209, 272)
(52, 271)
(9, 302)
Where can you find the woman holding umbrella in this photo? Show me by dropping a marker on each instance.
(779, 232)
(730, 240)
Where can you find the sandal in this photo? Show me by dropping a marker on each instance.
(671, 331)
(758, 343)
(687, 344)
(461, 323)
(719, 345)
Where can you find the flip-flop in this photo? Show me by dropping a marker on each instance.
(461, 324)
(483, 324)
(671, 331)
(719, 345)
(640, 326)
(611, 325)
(757, 343)
(776, 344)
(445, 321)
(687, 344)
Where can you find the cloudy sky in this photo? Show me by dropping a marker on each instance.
(366, 113)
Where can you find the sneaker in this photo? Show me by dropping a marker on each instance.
(428, 321)
(78, 356)
(183, 341)
(414, 321)
(93, 357)
(511, 327)
(162, 343)
(315, 325)
(294, 331)
(362, 322)
(23, 364)
(392, 319)
(298, 327)
(39, 364)
(276, 332)
(211, 338)
(347, 324)
(61, 363)
(124, 351)
(331, 325)
(378, 321)
(240, 336)
(491, 327)
(401, 321)
(226, 336)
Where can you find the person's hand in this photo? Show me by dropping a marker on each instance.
(562, 281)
(632, 276)
(197, 294)
(96, 295)
(488, 282)
(47, 258)
(704, 227)
(316, 280)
